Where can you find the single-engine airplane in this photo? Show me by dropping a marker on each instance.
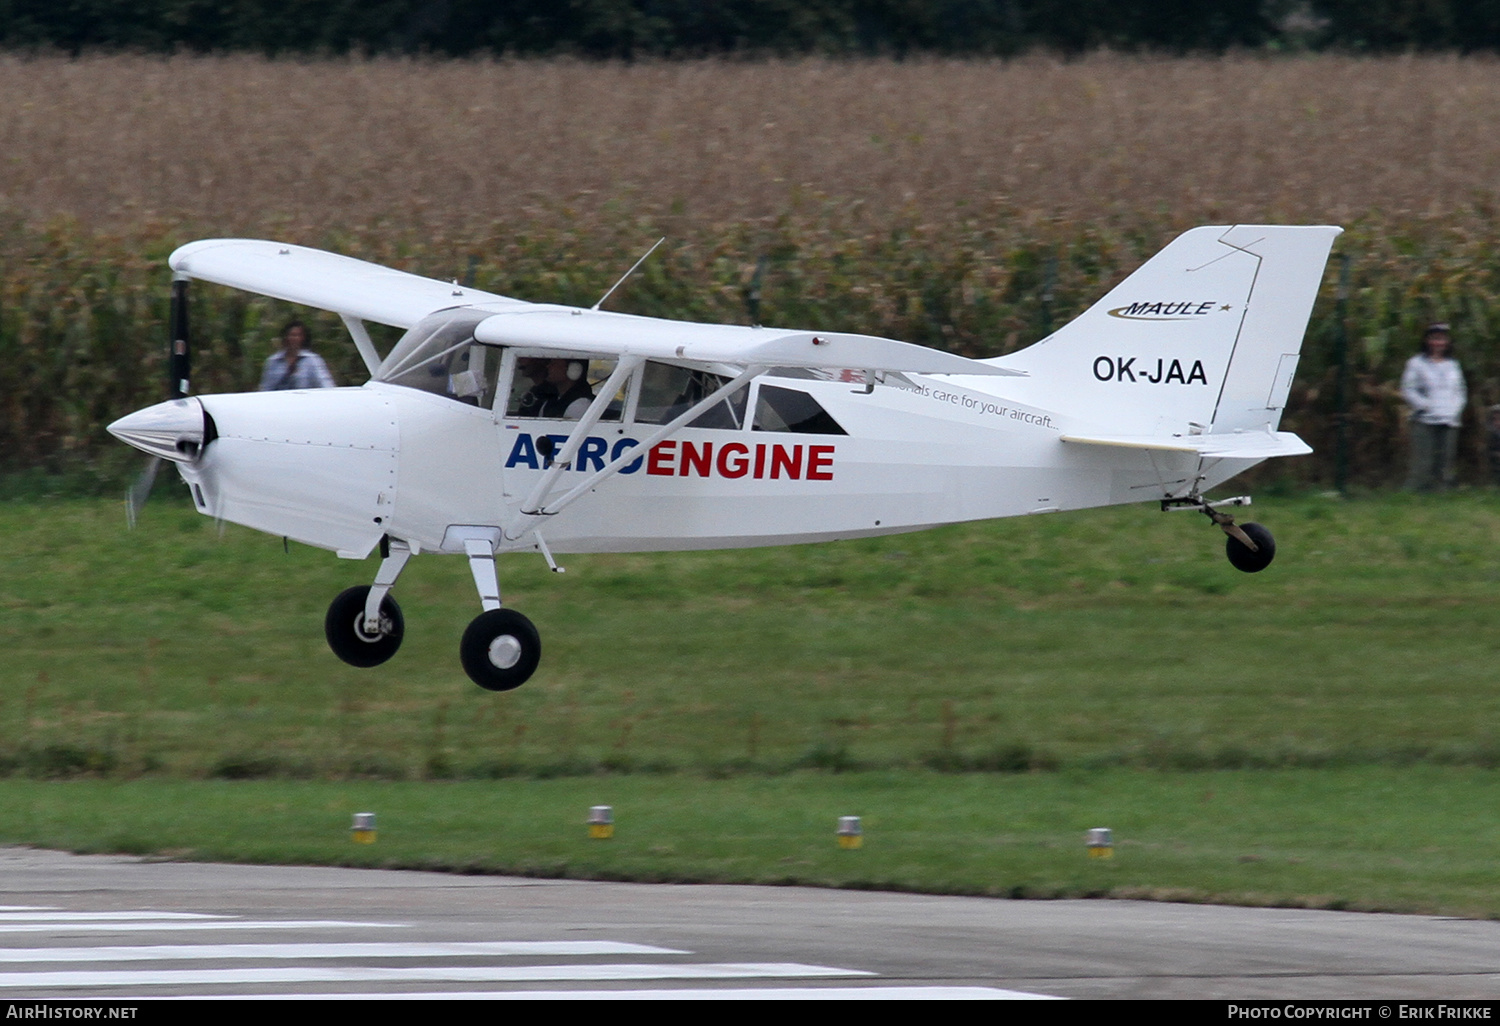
(496, 425)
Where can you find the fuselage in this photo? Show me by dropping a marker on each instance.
(341, 468)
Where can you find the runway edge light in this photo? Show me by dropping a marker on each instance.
(1101, 843)
(363, 830)
(601, 822)
(850, 833)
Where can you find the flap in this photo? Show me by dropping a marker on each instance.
(1247, 445)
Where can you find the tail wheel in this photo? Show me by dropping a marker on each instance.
(1251, 561)
(345, 627)
(500, 649)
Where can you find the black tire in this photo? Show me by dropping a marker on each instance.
(1243, 558)
(344, 626)
(500, 649)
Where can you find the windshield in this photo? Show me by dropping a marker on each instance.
(439, 355)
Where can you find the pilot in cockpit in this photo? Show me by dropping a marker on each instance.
(560, 389)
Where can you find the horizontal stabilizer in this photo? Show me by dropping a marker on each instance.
(574, 331)
(1239, 445)
(324, 281)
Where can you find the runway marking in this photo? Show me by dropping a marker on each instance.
(424, 974)
(871, 993)
(170, 926)
(103, 917)
(20, 919)
(183, 952)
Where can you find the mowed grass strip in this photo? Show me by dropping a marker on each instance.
(1415, 840)
(1104, 638)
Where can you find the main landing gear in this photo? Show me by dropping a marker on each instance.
(1250, 547)
(500, 649)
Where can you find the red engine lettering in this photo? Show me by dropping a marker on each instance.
(661, 458)
(693, 459)
(734, 460)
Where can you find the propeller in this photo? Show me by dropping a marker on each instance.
(179, 380)
(179, 355)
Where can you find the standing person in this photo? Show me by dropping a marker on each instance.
(1433, 386)
(293, 366)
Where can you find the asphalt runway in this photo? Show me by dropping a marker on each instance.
(120, 927)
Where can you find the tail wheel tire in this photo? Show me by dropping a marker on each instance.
(1251, 562)
(500, 649)
(345, 627)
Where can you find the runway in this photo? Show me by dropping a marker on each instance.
(120, 927)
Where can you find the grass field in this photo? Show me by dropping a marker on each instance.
(1319, 734)
(1418, 839)
(1113, 637)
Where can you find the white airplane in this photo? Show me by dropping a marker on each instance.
(496, 425)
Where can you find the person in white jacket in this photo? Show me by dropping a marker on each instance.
(1433, 386)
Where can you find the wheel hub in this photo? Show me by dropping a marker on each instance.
(505, 651)
(364, 635)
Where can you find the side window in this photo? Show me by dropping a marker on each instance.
(667, 392)
(787, 409)
(558, 388)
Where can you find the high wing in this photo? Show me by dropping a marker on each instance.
(325, 281)
(573, 330)
(361, 291)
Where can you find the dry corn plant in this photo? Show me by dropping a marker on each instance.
(246, 144)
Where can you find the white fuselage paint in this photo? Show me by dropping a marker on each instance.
(340, 468)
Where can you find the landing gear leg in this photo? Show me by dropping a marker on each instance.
(501, 648)
(364, 625)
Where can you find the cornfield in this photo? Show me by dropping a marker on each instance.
(968, 205)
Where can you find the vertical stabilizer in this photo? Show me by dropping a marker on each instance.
(1204, 337)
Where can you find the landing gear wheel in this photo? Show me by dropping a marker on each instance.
(500, 649)
(1251, 562)
(345, 627)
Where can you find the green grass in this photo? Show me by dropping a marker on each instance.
(1116, 637)
(1318, 734)
(1419, 839)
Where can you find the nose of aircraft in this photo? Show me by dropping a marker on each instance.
(175, 430)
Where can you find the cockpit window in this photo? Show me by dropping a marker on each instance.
(561, 388)
(439, 355)
(667, 392)
(788, 409)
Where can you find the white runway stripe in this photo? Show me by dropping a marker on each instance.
(415, 974)
(159, 926)
(162, 952)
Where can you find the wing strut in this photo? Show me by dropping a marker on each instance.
(362, 342)
(536, 504)
(564, 459)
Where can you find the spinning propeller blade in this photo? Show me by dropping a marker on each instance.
(136, 497)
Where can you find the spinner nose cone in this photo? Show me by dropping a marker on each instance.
(175, 430)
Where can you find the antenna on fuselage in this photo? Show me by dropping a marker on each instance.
(627, 274)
